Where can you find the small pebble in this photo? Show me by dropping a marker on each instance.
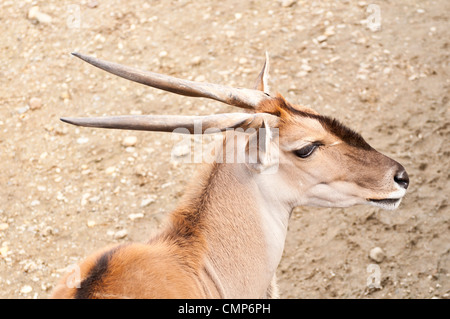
(35, 14)
(35, 202)
(200, 78)
(22, 110)
(329, 31)
(321, 38)
(84, 199)
(377, 254)
(4, 251)
(47, 231)
(129, 141)
(140, 170)
(94, 199)
(82, 140)
(181, 150)
(110, 170)
(301, 74)
(135, 216)
(35, 103)
(65, 95)
(92, 4)
(26, 289)
(120, 234)
(147, 201)
(288, 3)
(306, 68)
(196, 60)
(46, 286)
(3, 226)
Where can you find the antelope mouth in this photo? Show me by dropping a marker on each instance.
(387, 203)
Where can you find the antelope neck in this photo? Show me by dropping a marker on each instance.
(238, 224)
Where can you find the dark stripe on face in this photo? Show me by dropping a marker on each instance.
(94, 277)
(335, 127)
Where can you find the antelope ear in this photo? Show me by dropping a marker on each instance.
(262, 82)
(263, 149)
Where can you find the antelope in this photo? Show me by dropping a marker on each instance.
(226, 237)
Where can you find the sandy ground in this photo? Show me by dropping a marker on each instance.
(67, 191)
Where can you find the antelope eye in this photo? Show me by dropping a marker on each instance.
(306, 151)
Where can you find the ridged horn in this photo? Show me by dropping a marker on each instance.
(240, 97)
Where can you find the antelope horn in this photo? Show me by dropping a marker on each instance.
(176, 123)
(240, 97)
(262, 82)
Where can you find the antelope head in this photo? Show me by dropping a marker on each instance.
(321, 161)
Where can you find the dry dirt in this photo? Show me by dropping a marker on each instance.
(67, 191)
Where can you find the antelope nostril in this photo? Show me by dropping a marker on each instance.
(401, 178)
